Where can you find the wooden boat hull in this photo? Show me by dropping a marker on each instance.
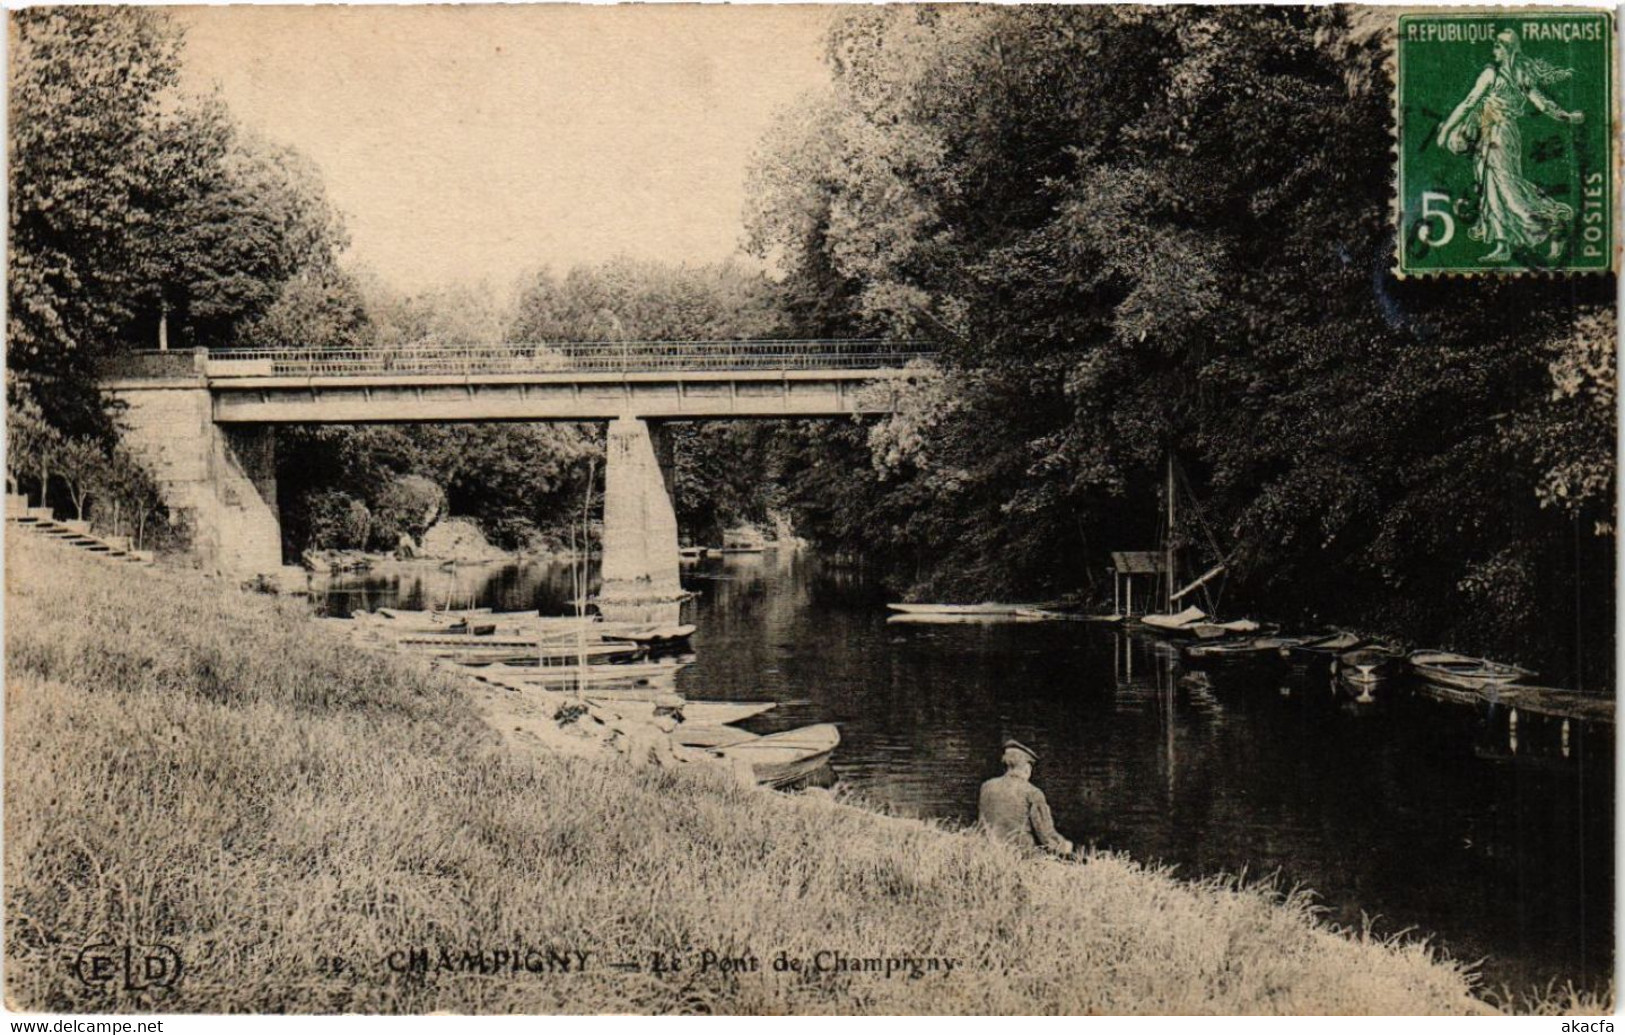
(955, 619)
(783, 758)
(1320, 653)
(1367, 672)
(1264, 651)
(987, 608)
(526, 649)
(569, 676)
(659, 636)
(1012, 610)
(1174, 624)
(1460, 672)
(720, 713)
(710, 735)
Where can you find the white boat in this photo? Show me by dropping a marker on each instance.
(1012, 610)
(1218, 630)
(1462, 672)
(718, 713)
(782, 758)
(566, 676)
(1174, 622)
(711, 735)
(972, 619)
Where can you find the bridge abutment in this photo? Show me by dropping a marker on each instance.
(640, 563)
(220, 479)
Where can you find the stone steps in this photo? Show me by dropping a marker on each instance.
(43, 521)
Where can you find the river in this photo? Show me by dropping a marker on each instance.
(1496, 844)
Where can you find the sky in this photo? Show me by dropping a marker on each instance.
(469, 144)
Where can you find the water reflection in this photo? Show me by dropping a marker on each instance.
(1492, 830)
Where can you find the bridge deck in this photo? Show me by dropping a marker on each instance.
(567, 357)
(532, 381)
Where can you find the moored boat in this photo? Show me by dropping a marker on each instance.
(1169, 624)
(998, 618)
(640, 673)
(1462, 672)
(1264, 650)
(1045, 614)
(1364, 671)
(711, 735)
(719, 713)
(1320, 652)
(1220, 630)
(1012, 610)
(467, 651)
(657, 635)
(783, 758)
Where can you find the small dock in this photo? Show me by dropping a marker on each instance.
(1534, 700)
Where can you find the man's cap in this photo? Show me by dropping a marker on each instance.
(1017, 751)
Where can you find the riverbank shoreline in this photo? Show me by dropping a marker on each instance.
(360, 805)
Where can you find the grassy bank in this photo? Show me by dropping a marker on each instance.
(190, 766)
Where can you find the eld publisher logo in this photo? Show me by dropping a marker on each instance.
(134, 968)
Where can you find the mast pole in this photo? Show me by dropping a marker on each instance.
(1169, 560)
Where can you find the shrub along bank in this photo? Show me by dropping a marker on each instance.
(193, 767)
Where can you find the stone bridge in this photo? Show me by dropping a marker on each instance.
(206, 421)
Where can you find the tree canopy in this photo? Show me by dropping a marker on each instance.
(1144, 232)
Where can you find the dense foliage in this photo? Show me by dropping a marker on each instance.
(1145, 233)
(130, 205)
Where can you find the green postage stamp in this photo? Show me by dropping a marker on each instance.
(1506, 141)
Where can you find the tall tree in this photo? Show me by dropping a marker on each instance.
(86, 88)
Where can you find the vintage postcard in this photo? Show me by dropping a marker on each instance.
(809, 509)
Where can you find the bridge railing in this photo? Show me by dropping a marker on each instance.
(566, 357)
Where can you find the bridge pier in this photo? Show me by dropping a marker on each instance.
(640, 569)
(220, 479)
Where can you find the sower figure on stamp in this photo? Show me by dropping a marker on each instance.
(1513, 212)
(1016, 811)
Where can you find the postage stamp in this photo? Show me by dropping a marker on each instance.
(1505, 141)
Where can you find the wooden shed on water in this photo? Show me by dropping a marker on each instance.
(1130, 568)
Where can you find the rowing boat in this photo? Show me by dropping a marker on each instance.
(657, 635)
(711, 735)
(783, 758)
(1001, 618)
(718, 713)
(398, 614)
(1263, 650)
(1219, 630)
(1363, 671)
(573, 675)
(1320, 652)
(1175, 622)
(1463, 672)
(1012, 610)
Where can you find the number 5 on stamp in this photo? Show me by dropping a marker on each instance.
(1506, 134)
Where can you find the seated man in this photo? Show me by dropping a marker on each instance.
(1014, 810)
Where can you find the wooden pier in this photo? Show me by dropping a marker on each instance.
(1534, 700)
